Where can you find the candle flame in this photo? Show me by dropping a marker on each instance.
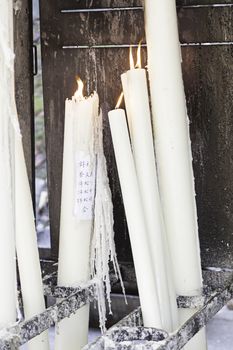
(119, 100)
(139, 61)
(131, 60)
(79, 92)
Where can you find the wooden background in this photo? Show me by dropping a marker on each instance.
(23, 39)
(88, 38)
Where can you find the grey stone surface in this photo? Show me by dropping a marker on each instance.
(220, 331)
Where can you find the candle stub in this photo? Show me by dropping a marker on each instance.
(84, 186)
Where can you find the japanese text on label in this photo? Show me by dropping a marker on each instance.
(84, 187)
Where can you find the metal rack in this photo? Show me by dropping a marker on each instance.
(129, 333)
(69, 40)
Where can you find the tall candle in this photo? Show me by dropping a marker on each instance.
(76, 212)
(172, 144)
(26, 248)
(135, 218)
(15, 187)
(7, 241)
(7, 238)
(137, 102)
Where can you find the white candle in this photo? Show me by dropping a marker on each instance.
(135, 219)
(26, 248)
(172, 144)
(137, 102)
(124, 83)
(15, 187)
(7, 241)
(76, 220)
(7, 238)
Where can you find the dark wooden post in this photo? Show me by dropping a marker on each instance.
(23, 41)
(206, 34)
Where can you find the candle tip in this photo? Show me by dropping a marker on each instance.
(139, 61)
(131, 60)
(119, 100)
(78, 95)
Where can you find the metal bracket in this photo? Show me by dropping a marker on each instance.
(129, 333)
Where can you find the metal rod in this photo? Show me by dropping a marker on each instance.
(75, 297)
(126, 334)
(136, 8)
(102, 46)
(133, 319)
(199, 319)
(115, 46)
(20, 333)
(176, 340)
(105, 9)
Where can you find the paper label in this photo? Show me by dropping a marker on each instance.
(84, 186)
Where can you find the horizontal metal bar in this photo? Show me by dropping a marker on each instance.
(115, 46)
(105, 9)
(60, 292)
(123, 334)
(205, 5)
(136, 8)
(217, 269)
(24, 331)
(75, 297)
(134, 319)
(199, 320)
(215, 43)
(187, 302)
(195, 302)
(104, 46)
(176, 340)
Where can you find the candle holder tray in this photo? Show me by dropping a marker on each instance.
(129, 333)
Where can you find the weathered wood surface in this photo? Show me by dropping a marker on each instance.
(24, 80)
(85, 4)
(209, 90)
(202, 2)
(208, 81)
(197, 25)
(93, 4)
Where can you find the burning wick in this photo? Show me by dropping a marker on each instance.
(79, 92)
(131, 59)
(139, 61)
(119, 100)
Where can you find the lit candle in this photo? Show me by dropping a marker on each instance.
(173, 149)
(77, 206)
(135, 219)
(7, 240)
(138, 112)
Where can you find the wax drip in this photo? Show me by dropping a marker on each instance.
(103, 251)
